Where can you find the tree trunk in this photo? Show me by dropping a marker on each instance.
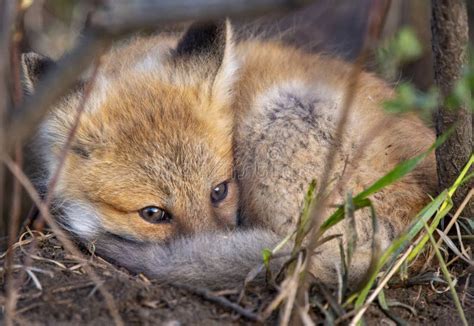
(450, 41)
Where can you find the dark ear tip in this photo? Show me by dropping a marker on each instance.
(32, 58)
(35, 65)
(31, 55)
(203, 37)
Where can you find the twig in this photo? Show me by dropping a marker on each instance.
(376, 21)
(72, 132)
(291, 289)
(23, 121)
(451, 283)
(206, 294)
(25, 242)
(343, 318)
(127, 15)
(379, 288)
(18, 173)
(450, 225)
(32, 306)
(6, 25)
(65, 150)
(105, 27)
(15, 209)
(465, 289)
(72, 287)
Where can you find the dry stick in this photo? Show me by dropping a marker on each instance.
(290, 301)
(465, 289)
(5, 27)
(142, 14)
(67, 146)
(374, 30)
(80, 110)
(56, 84)
(340, 320)
(22, 242)
(379, 288)
(72, 287)
(376, 20)
(450, 225)
(16, 214)
(106, 27)
(15, 209)
(361, 150)
(206, 294)
(19, 174)
(65, 149)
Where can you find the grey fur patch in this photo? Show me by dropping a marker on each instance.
(280, 146)
(211, 260)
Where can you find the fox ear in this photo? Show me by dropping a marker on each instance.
(209, 48)
(34, 67)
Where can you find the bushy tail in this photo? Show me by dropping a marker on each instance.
(211, 260)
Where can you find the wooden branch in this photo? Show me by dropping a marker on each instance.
(209, 296)
(377, 15)
(121, 19)
(6, 27)
(63, 238)
(132, 15)
(450, 41)
(22, 122)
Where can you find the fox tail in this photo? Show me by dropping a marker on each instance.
(210, 260)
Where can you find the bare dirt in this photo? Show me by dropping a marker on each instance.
(68, 296)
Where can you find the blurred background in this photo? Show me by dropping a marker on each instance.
(332, 26)
(335, 27)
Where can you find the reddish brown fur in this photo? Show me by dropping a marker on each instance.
(148, 142)
(164, 130)
(394, 139)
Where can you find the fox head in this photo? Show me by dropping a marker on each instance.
(152, 157)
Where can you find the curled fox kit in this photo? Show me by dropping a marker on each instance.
(194, 153)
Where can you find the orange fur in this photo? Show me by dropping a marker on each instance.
(169, 119)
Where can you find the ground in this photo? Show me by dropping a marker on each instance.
(69, 296)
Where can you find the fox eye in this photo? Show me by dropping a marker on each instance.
(219, 192)
(153, 214)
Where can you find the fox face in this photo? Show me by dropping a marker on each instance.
(152, 156)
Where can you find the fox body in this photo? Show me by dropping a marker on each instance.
(195, 152)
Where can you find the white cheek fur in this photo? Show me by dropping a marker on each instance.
(81, 219)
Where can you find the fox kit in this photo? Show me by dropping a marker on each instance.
(195, 152)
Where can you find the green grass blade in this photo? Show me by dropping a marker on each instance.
(338, 215)
(382, 300)
(398, 245)
(402, 169)
(441, 205)
(304, 222)
(301, 230)
(446, 274)
(394, 175)
(447, 205)
(444, 210)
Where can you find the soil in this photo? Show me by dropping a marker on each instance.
(68, 296)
